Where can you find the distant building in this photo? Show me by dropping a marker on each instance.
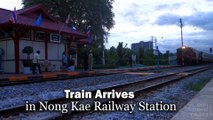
(145, 45)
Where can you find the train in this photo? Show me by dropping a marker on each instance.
(189, 56)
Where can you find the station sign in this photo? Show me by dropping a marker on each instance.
(55, 38)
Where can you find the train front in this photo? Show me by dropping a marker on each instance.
(186, 56)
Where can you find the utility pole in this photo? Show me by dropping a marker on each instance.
(181, 26)
(158, 56)
(182, 47)
(156, 51)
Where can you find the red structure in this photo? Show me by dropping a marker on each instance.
(46, 37)
(192, 56)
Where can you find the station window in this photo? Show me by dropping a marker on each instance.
(3, 35)
(26, 34)
(40, 36)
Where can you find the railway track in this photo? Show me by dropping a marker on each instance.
(145, 85)
(134, 86)
(17, 80)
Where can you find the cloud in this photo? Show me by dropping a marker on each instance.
(167, 6)
(10, 4)
(203, 20)
(168, 19)
(201, 41)
(138, 20)
(169, 44)
(134, 15)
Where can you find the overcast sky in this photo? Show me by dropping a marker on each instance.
(137, 20)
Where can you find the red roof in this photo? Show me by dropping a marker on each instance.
(28, 16)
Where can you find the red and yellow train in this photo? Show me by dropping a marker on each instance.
(191, 56)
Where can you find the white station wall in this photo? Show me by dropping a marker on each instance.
(54, 54)
(8, 59)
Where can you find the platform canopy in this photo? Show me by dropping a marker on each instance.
(26, 19)
(16, 25)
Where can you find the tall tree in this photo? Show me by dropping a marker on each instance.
(123, 54)
(112, 57)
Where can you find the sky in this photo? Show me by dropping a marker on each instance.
(138, 20)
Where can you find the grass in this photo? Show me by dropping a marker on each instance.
(197, 86)
(171, 97)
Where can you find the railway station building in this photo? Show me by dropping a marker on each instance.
(51, 38)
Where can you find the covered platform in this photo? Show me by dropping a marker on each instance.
(51, 37)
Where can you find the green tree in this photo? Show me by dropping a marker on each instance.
(140, 55)
(112, 57)
(83, 52)
(96, 54)
(146, 57)
(165, 58)
(123, 54)
(149, 58)
(120, 53)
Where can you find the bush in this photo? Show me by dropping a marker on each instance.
(27, 50)
(149, 62)
(164, 62)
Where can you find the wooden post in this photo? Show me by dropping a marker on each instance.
(46, 51)
(16, 35)
(68, 52)
(17, 57)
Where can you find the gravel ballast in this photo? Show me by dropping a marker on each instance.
(174, 93)
(18, 94)
(12, 96)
